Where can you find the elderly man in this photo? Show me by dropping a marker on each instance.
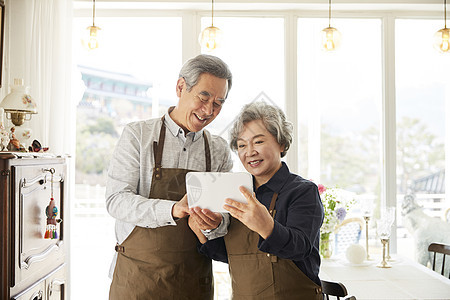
(156, 255)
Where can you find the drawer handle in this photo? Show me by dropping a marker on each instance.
(55, 282)
(37, 295)
(38, 257)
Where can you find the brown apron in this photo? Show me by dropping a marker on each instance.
(163, 262)
(259, 275)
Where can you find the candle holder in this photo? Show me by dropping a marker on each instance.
(389, 214)
(384, 263)
(388, 255)
(384, 232)
(367, 218)
(366, 209)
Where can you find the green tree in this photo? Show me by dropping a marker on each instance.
(419, 152)
(103, 125)
(350, 161)
(96, 139)
(354, 160)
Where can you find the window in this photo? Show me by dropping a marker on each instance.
(132, 76)
(422, 89)
(256, 59)
(338, 98)
(339, 107)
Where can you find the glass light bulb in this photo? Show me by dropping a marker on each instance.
(331, 39)
(93, 37)
(442, 40)
(93, 43)
(210, 38)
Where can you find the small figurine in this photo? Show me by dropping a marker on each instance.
(14, 143)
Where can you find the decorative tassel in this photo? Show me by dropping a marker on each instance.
(51, 211)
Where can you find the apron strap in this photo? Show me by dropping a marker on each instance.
(158, 149)
(207, 153)
(272, 211)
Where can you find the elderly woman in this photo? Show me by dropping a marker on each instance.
(272, 244)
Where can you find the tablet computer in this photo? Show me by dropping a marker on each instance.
(210, 189)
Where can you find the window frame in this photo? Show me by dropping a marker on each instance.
(191, 24)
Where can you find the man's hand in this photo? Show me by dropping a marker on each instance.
(181, 208)
(254, 215)
(204, 218)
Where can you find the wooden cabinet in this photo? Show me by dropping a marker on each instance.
(51, 287)
(31, 266)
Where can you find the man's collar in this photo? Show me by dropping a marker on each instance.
(175, 129)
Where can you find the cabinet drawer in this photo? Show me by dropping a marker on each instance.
(50, 287)
(35, 292)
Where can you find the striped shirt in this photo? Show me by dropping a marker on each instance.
(131, 169)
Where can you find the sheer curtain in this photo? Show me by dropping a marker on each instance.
(48, 68)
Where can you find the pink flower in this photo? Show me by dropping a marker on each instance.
(322, 188)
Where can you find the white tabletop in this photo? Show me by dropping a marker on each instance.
(405, 280)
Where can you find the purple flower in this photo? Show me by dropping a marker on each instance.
(341, 213)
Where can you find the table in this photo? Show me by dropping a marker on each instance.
(405, 280)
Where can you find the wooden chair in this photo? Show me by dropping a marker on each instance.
(447, 215)
(347, 233)
(337, 289)
(444, 250)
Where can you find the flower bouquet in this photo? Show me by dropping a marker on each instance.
(336, 203)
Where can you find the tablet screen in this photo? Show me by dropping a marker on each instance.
(210, 189)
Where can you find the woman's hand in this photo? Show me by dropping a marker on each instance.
(196, 229)
(254, 215)
(205, 219)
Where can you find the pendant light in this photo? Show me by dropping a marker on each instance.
(441, 37)
(331, 37)
(92, 39)
(211, 37)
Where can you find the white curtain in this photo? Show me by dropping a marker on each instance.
(48, 66)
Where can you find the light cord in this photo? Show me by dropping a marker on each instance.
(329, 13)
(445, 13)
(212, 13)
(93, 13)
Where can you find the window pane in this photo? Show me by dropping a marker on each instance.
(339, 105)
(339, 108)
(422, 87)
(130, 77)
(254, 50)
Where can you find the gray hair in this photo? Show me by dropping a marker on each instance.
(273, 118)
(204, 63)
